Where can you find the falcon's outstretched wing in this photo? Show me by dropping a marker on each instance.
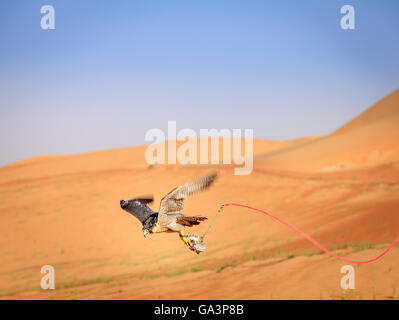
(174, 200)
(138, 208)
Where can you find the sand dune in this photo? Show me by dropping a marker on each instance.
(117, 159)
(370, 139)
(64, 211)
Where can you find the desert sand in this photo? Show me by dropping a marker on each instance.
(342, 189)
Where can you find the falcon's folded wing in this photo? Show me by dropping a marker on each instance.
(138, 208)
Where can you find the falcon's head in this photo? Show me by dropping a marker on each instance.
(148, 225)
(124, 204)
(138, 208)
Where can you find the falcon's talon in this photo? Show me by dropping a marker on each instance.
(185, 240)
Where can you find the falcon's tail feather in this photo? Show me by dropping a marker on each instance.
(190, 221)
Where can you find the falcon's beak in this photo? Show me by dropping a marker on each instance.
(145, 232)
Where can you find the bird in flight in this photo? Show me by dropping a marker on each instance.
(165, 220)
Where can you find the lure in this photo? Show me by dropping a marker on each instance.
(196, 243)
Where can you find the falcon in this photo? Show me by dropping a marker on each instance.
(164, 220)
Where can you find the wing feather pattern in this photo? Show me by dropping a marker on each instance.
(174, 200)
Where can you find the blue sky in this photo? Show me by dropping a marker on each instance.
(111, 70)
